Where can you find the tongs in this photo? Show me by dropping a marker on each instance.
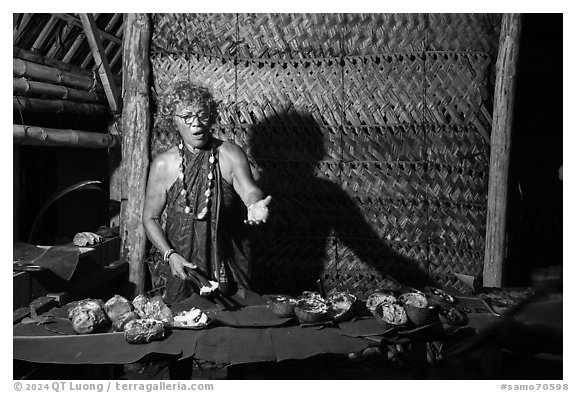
(200, 280)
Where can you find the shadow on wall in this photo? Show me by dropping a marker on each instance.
(315, 227)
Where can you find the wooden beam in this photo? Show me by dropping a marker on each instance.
(57, 45)
(106, 76)
(44, 34)
(136, 124)
(495, 247)
(78, 22)
(27, 135)
(108, 27)
(20, 28)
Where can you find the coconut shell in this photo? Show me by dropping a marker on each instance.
(391, 314)
(281, 305)
(341, 306)
(417, 308)
(311, 311)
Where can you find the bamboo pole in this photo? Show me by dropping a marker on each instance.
(101, 33)
(48, 27)
(495, 248)
(108, 27)
(24, 54)
(42, 73)
(112, 94)
(25, 87)
(23, 23)
(27, 135)
(56, 106)
(136, 123)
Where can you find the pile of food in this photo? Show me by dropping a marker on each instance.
(194, 318)
(416, 307)
(142, 320)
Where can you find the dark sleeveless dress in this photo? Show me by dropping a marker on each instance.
(216, 244)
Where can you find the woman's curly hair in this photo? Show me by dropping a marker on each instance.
(182, 93)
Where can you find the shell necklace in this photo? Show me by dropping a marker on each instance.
(208, 193)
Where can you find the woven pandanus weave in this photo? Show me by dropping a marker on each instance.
(370, 131)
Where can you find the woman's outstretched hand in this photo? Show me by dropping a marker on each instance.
(258, 212)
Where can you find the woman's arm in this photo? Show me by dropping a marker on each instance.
(244, 185)
(159, 180)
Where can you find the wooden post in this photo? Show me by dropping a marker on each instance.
(495, 248)
(136, 123)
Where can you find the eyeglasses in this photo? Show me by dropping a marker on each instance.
(189, 118)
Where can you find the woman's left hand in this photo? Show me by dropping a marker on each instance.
(258, 212)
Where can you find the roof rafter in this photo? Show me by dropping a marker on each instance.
(100, 59)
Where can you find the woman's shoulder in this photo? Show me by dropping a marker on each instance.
(166, 160)
(230, 149)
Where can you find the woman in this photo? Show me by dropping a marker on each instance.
(198, 182)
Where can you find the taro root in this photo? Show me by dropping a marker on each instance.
(282, 305)
(153, 308)
(119, 323)
(88, 316)
(140, 331)
(379, 297)
(391, 314)
(158, 310)
(417, 308)
(311, 310)
(340, 306)
(117, 306)
(139, 304)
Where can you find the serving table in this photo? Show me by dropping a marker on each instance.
(249, 334)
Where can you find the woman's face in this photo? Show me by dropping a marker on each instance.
(193, 124)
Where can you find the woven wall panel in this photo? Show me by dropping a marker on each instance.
(167, 68)
(359, 283)
(216, 73)
(457, 226)
(368, 34)
(298, 139)
(385, 90)
(461, 146)
(297, 176)
(290, 265)
(199, 33)
(301, 215)
(387, 219)
(290, 36)
(377, 161)
(387, 180)
(308, 87)
(404, 261)
(457, 89)
(463, 32)
(395, 143)
(457, 184)
(445, 261)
